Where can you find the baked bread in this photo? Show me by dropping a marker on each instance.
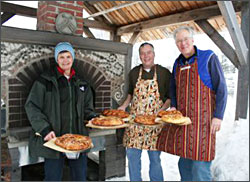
(115, 112)
(173, 112)
(145, 119)
(107, 121)
(73, 142)
(175, 117)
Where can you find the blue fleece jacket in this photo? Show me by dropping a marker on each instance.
(211, 74)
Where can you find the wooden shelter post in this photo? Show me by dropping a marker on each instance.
(242, 103)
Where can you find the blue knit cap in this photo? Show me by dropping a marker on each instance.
(64, 46)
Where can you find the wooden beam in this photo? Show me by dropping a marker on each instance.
(114, 37)
(192, 15)
(93, 10)
(229, 15)
(134, 37)
(17, 35)
(242, 101)
(147, 9)
(100, 7)
(6, 16)
(97, 24)
(122, 12)
(88, 33)
(18, 9)
(224, 46)
(113, 9)
(93, 2)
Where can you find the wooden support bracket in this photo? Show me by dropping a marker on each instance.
(227, 10)
(219, 41)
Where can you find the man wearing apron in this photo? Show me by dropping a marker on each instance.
(198, 90)
(148, 93)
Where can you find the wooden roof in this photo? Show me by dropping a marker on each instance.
(137, 21)
(122, 14)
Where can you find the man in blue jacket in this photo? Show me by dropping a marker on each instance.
(59, 102)
(198, 89)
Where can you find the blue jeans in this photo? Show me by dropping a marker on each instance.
(134, 165)
(192, 170)
(54, 168)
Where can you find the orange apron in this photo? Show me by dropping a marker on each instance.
(146, 100)
(197, 101)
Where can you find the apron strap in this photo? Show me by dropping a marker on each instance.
(140, 73)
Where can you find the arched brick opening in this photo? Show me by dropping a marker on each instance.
(20, 84)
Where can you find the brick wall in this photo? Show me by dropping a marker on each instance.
(48, 11)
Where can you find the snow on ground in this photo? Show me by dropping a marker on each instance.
(231, 162)
(232, 153)
(169, 166)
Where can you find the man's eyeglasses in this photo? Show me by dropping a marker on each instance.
(182, 40)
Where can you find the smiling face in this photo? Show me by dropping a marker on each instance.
(184, 42)
(147, 56)
(65, 61)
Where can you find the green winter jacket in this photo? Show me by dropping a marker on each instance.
(43, 111)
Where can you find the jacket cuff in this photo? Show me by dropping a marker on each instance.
(173, 105)
(92, 116)
(45, 131)
(219, 116)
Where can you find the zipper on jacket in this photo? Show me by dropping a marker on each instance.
(70, 107)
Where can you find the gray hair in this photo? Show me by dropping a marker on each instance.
(189, 29)
(144, 44)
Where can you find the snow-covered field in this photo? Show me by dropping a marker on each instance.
(232, 153)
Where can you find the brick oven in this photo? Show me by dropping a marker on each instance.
(105, 64)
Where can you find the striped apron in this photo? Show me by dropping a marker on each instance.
(146, 100)
(197, 101)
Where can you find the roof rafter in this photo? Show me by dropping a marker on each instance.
(6, 16)
(93, 10)
(88, 33)
(93, 2)
(97, 24)
(113, 9)
(192, 15)
(134, 37)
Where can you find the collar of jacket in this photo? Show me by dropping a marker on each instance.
(53, 76)
(181, 59)
(61, 71)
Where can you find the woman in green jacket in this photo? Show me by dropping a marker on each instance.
(58, 103)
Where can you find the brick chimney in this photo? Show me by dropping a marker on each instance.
(49, 10)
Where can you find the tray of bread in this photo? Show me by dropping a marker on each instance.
(172, 117)
(125, 116)
(70, 143)
(107, 122)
